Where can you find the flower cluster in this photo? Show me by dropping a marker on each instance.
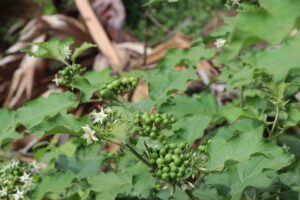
(150, 125)
(17, 179)
(67, 75)
(102, 122)
(118, 87)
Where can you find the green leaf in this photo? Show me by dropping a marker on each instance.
(293, 117)
(108, 186)
(8, 123)
(292, 142)
(60, 124)
(238, 143)
(256, 171)
(53, 183)
(161, 84)
(143, 181)
(34, 112)
(192, 128)
(190, 56)
(206, 193)
(233, 113)
(236, 75)
(52, 49)
(292, 178)
(91, 82)
(84, 46)
(254, 26)
(273, 59)
(182, 105)
(120, 131)
(82, 168)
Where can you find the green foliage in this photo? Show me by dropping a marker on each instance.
(34, 112)
(244, 148)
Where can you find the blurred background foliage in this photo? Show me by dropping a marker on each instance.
(165, 19)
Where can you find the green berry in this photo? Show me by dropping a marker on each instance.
(172, 145)
(173, 119)
(160, 161)
(154, 129)
(173, 175)
(153, 135)
(181, 169)
(152, 161)
(165, 122)
(174, 169)
(165, 176)
(177, 161)
(175, 156)
(168, 158)
(163, 151)
(154, 155)
(125, 80)
(157, 120)
(180, 174)
(166, 169)
(177, 151)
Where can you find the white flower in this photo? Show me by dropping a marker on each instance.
(57, 80)
(34, 166)
(89, 135)
(219, 43)
(26, 178)
(3, 192)
(68, 51)
(18, 195)
(13, 164)
(34, 48)
(99, 116)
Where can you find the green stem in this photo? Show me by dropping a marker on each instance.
(275, 121)
(134, 152)
(93, 101)
(131, 149)
(65, 62)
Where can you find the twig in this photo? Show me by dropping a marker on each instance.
(157, 23)
(98, 34)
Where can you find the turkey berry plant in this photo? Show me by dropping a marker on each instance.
(173, 145)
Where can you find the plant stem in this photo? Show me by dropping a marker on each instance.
(131, 149)
(275, 121)
(93, 101)
(134, 152)
(66, 63)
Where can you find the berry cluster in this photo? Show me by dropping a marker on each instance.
(172, 163)
(150, 125)
(68, 75)
(16, 179)
(118, 87)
